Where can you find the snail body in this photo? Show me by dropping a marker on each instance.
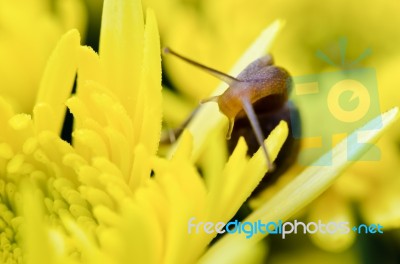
(254, 103)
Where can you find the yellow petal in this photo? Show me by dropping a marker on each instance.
(57, 82)
(151, 86)
(121, 49)
(89, 68)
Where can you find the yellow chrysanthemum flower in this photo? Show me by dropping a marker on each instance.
(96, 201)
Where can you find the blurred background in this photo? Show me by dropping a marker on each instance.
(216, 33)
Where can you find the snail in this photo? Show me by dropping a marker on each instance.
(254, 103)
